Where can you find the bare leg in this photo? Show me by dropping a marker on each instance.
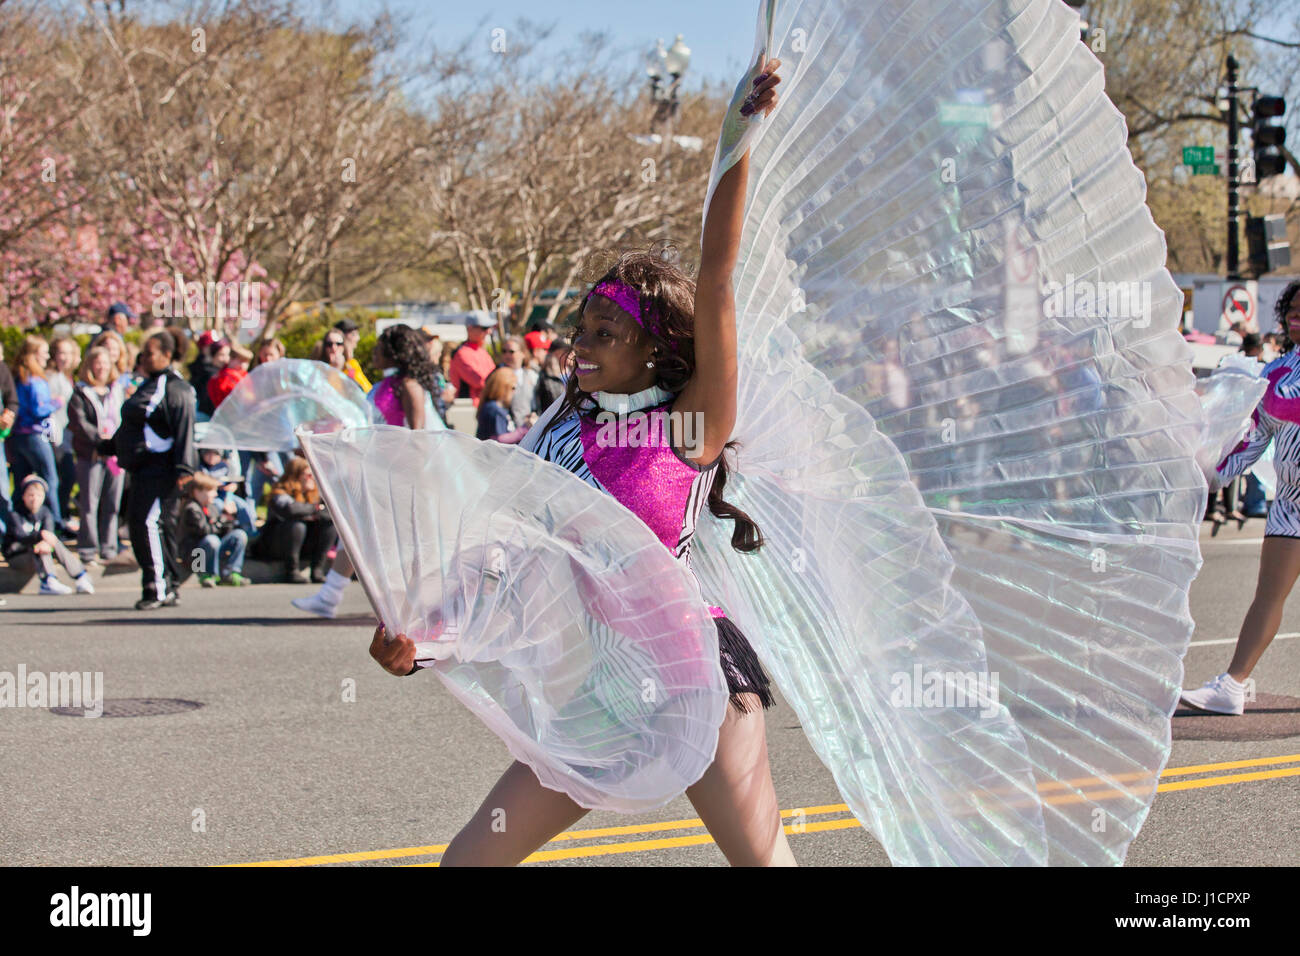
(1279, 566)
(516, 818)
(342, 563)
(735, 797)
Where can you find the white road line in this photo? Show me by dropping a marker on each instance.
(1233, 640)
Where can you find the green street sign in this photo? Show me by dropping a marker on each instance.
(1205, 169)
(1198, 155)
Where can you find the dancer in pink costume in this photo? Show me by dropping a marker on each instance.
(646, 417)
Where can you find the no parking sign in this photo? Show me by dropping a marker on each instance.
(1240, 303)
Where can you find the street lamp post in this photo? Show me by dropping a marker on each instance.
(667, 66)
(1233, 172)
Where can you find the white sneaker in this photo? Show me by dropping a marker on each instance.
(85, 585)
(316, 605)
(1218, 696)
(53, 585)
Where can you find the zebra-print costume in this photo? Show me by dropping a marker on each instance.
(660, 487)
(1277, 420)
(651, 480)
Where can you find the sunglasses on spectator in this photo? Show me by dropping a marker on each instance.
(333, 345)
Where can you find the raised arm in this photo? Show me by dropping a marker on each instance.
(711, 392)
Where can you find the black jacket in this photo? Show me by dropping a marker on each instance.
(549, 388)
(157, 433)
(201, 371)
(281, 507)
(282, 510)
(25, 529)
(8, 390)
(196, 523)
(83, 425)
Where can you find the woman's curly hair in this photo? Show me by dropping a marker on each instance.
(1280, 309)
(405, 347)
(667, 290)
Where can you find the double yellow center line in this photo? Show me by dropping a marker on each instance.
(800, 825)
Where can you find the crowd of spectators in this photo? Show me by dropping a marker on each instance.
(100, 447)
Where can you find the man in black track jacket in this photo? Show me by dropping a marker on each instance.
(155, 443)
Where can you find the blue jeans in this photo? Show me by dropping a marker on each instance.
(6, 504)
(1254, 502)
(223, 556)
(33, 454)
(258, 482)
(244, 514)
(66, 462)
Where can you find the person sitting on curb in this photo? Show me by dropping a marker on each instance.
(224, 467)
(298, 529)
(32, 543)
(210, 535)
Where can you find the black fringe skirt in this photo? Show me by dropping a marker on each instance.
(741, 666)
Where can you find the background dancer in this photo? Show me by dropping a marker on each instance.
(409, 395)
(1276, 419)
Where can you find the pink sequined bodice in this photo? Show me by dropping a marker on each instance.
(386, 399)
(631, 457)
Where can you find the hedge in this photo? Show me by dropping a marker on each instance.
(299, 335)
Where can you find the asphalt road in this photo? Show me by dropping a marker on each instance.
(277, 765)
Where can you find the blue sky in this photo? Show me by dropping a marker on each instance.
(720, 33)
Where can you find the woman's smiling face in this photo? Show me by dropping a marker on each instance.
(610, 350)
(1292, 319)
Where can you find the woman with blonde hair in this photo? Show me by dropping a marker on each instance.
(516, 356)
(94, 414)
(494, 421)
(116, 346)
(271, 350)
(122, 357)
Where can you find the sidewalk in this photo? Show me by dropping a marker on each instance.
(123, 574)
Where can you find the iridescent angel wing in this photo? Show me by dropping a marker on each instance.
(968, 430)
(545, 606)
(1228, 396)
(263, 411)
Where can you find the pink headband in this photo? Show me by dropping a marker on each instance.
(629, 300)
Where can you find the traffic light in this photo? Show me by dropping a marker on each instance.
(1268, 137)
(1269, 249)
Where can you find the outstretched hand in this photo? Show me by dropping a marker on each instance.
(396, 656)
